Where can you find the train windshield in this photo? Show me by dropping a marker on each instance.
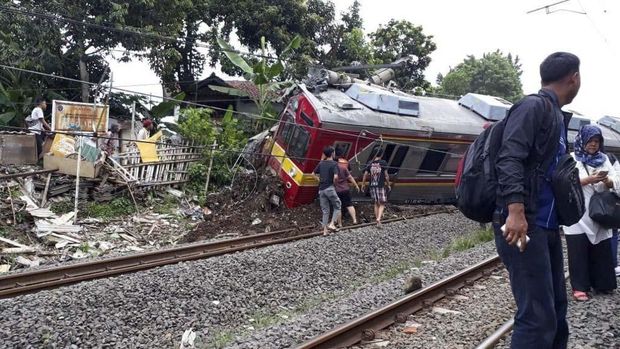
(295, 140)
(576, 123)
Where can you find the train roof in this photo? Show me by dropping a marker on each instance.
(363, 105)
(369, 106)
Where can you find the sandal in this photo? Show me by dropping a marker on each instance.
(580, 296)
(332, 228)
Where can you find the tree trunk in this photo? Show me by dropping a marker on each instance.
(84, 76)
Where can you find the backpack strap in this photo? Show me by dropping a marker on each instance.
(547, 124)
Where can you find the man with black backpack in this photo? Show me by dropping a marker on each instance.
(530, 208)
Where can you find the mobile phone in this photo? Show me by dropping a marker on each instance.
(527, 238)
(602, 173)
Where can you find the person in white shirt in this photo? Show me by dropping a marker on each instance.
(145, 131)
(614, 232)
(36, 123)
(590, 262)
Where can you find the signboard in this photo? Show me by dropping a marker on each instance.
(85, 117)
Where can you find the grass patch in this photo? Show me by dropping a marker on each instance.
(168, 205)
(472, 240)
(115, 208)
(221, 339)
(61, 207)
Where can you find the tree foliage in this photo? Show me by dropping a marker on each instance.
(399, 39)
(494, 74)
(197, 125)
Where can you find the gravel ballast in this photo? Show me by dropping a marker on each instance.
(219, 297)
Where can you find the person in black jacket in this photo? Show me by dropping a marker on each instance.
(527, 207)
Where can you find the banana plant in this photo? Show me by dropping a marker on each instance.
(263, 74)
(17, 93)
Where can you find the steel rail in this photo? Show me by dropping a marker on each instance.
(31, 281)
(501, 332)
(366, 326)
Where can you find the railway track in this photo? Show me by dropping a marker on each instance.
(32, 281)
(366, 326)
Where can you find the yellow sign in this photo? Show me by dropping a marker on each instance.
(85, 117)
(148, 151)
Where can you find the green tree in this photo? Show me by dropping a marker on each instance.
(399, 39)
(494, 74)
(263, 74)
(197, 125)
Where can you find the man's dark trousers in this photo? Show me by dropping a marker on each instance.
(539, 288)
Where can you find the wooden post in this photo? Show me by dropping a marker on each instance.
(8, 189)
(210, 165)
(47, 187)
(77, 179)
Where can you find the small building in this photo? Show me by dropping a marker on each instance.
(200, 92)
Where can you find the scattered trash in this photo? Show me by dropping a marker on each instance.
(28, 262)
(187, 340)
(411, 327)
(412, 283)
(4, 268)
(216, 302)
(444, 311)
(256, 221)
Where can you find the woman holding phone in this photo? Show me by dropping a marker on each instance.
(590, 260)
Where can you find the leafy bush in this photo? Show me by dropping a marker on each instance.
(197, 125)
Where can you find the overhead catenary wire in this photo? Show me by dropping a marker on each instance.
(249, 115)
(219, 149)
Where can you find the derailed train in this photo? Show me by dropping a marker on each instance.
(423, 138)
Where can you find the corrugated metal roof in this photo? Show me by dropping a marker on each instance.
(440, 115)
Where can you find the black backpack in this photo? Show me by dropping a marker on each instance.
(476, 182)
(476, 179)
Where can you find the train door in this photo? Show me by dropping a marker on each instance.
(393, 154)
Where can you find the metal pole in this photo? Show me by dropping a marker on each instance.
(77, 179)
(210, 165)
(133, 121)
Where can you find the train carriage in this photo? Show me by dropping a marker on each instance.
(423, 138)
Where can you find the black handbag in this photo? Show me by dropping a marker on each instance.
(605, 208)
(567, 190)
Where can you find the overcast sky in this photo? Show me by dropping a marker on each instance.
(461, 28)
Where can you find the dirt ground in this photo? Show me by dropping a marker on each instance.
(253, 212)
(112, 224)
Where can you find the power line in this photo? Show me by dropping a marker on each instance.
(250, 115)
(231, 151)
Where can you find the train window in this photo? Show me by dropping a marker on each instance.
(342, 148)
(307, 119)
(576, 123)
(432, 161)
(387, 153)
(373, 152)
(298, 144)
(398, 159)
(287, 130)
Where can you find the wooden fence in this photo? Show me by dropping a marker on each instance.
(172, 167)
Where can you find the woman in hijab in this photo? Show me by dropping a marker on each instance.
(589, 245)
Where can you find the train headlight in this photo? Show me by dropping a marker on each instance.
(292, 172)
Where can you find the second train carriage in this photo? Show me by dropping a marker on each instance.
(423, 138)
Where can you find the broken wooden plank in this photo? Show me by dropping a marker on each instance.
(47, 187)
(11, 242)
(59, 228)
(18, 250)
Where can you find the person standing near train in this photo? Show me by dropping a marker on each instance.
(614, 232)
(326, 173)
(379, 179)
(344, 177)
(526, 204)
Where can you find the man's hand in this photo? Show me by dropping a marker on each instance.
(516, 225)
